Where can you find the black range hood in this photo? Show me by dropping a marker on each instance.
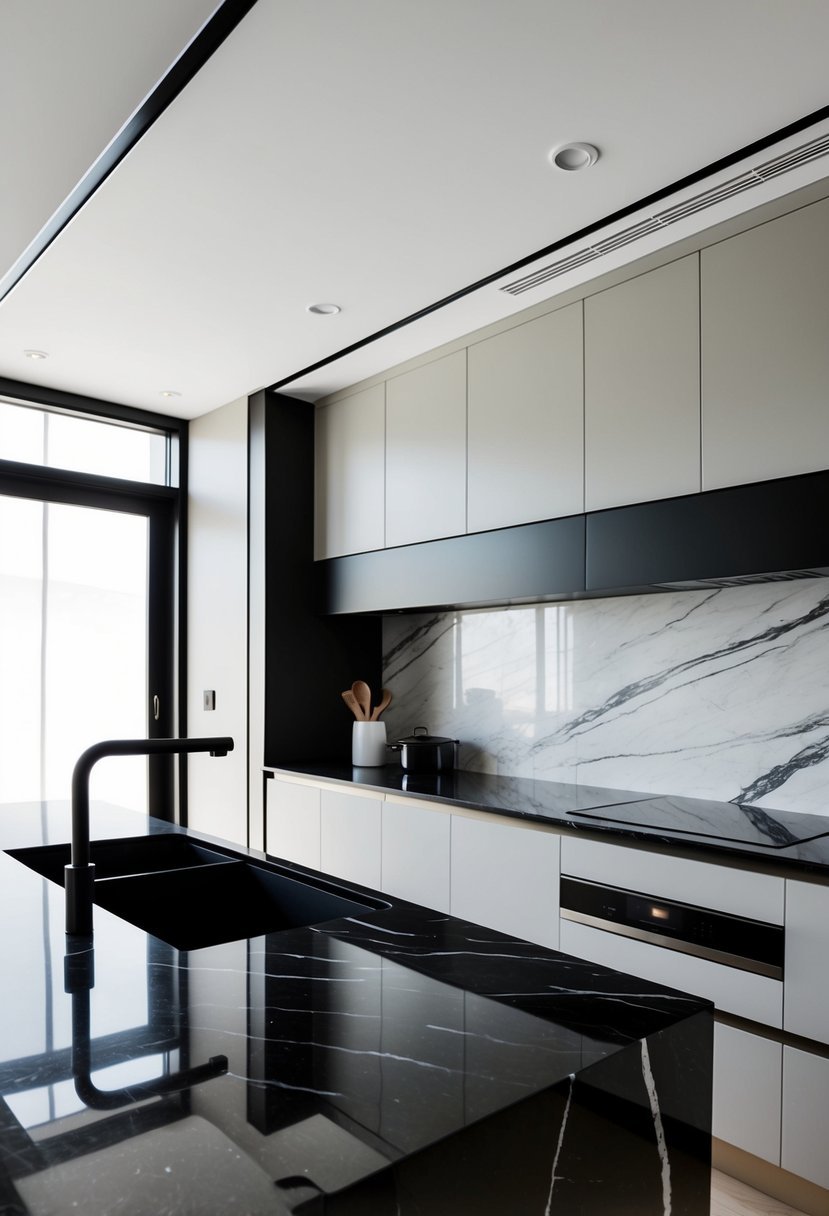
(762, 532)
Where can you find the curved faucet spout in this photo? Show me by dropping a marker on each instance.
(80, 874)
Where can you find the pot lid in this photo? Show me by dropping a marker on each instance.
(425, 737)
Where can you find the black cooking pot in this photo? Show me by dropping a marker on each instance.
(425, 753)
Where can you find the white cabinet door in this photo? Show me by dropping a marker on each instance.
(293, 822)
(426, 452)
(505, 876)
(747, 1091)
(805, 1115)
(349, 472)
(526, 423)
(806, 1001)
(641, 388)
(734, 991)
(765, 354)
(350, 836)
(415, 850)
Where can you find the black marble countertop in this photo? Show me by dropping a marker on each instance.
(777, 840)
(351, 1046)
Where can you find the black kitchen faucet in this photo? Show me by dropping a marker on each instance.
(80, 873)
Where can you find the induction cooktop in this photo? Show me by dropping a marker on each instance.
(732, 821)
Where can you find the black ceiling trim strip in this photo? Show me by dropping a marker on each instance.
(692, 179)
(55, 398)
(195, 56)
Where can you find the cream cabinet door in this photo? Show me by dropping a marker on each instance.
(641, 388)
(505, 876)
(747, 1091)
(293, 822)
(806, 1000)
(805, 1148)
(349, 473)
(415, 850)
(526, 423)
(765, 353)
(350, 836)
(426, 452)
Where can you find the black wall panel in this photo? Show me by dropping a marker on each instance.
(309, 658)
(530, 562)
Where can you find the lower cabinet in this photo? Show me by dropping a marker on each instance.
(732, 990)
(805, 1149)
(505, 876)
(747, 1091)
(292, 822)
(807, 951)
(770, 1100)
(415, 853)
(350, 836)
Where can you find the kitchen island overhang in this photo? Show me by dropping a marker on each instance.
(394, 1061)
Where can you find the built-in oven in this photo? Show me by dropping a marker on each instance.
(721, 937)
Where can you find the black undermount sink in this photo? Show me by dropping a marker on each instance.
(125, 855)
(192, 896)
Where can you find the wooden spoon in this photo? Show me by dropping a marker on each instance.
(385, 701)
(353, 704)
(362, 695)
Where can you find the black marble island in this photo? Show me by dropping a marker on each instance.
(392, 1061)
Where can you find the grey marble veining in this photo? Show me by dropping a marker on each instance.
(717, 694)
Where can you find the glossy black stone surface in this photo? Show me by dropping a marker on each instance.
(728, 822)
(785, 841)
(393, 1061)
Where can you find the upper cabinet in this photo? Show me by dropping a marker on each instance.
(526, 438)
(349, 474)
(765, 355)
(707, 372)
(641, 388)
(426, 452)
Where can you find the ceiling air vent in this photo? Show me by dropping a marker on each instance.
(775, 167)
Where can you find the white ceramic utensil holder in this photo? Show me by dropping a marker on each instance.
(368, 744)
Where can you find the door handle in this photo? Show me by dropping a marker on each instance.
(156, 707)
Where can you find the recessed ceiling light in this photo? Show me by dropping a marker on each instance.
(169, 392)
(324, 310)
(36, 354)
(571, 157)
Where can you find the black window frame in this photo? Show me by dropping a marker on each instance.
(165, 507)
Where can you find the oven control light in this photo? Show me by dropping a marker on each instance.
(660, 913)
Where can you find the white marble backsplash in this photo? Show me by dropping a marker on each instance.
(720, 693)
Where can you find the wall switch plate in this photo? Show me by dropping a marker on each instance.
(209, 698)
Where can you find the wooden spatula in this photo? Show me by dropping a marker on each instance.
(353, 704)
(362, 695)
(385, 701)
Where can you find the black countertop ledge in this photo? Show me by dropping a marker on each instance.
(775, 840)
(396, 1062)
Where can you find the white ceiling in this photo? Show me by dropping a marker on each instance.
(377, 153)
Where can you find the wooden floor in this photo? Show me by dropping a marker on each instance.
(732, 1198)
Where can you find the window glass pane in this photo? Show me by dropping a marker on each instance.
(86, 445)
(73, 648)
(21, 433)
